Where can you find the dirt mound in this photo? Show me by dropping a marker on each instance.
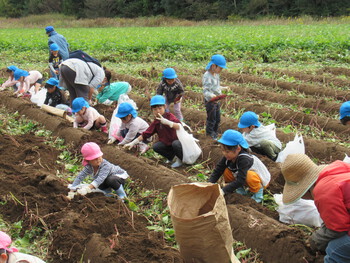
(91, 227)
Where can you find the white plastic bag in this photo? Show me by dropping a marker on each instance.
(295, 146)
(301, 212)
(190, 149)
(260, 168)
(39, 97)
(346, 159)
(115, 121)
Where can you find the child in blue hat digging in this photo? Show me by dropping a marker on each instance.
(10, 82)
(241, 170)
(27, 80)
(261, 139)
(212, 92)
(345, 113)
(173, 91)
(165, 125)
(55, 60)
(87, 117)
(132, 126)
(54, 95)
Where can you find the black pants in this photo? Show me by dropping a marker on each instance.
(75, 90)
(170, 151)
(112, 181)
(213, 118)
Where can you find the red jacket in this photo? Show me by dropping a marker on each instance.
(332, 196)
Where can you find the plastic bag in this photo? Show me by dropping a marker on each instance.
(346, 159)
(301, 212)
(115, 121)
(39, 97)
(295, 146)
(260, 168)
(190, 148)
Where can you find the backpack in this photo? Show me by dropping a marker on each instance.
(85, 57)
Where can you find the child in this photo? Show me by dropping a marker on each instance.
(165, 125)
(173, 90)
(132, 126)
(110, 92)
(345, 113)
(86, 116)
(106, 176)
(10, 82)
(11, 255)
(55, 60)
(27, 80)
(261, 139)
(54, 95)
(212, 89)
(240, 169)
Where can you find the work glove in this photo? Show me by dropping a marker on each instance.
(84, 190)
(131, 144)
(164, 121)
(111, 140)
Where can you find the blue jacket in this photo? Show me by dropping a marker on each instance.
(54, 37)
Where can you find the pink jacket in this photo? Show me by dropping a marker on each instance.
(332, 196)
(90, 115)
(29, 81)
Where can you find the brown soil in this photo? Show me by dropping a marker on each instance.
(335, 71)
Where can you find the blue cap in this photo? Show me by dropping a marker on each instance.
(233, 138)
(248, 119)
(169, 73)
(218, 60)
(49, 29)
(125, 109)
(78, 104)
(20, 73)
(12, 68)
(52, 81)
(345, 110)
(54, 47)
(157, 100)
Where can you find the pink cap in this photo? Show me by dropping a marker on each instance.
(5, 242)
(90, 151)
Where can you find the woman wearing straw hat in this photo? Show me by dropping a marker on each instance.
(329, 187)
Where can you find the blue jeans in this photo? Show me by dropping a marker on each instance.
(213, 118)
(338, 250)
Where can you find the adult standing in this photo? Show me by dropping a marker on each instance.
(60, 40)
(329, 187)
(80, 78)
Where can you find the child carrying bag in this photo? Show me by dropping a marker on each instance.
(190, 149)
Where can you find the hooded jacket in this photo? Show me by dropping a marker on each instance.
(332, 196)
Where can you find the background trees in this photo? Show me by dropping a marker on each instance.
(189, 9)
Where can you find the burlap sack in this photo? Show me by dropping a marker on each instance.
(200, 219)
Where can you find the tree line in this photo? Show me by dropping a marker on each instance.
(186, 9)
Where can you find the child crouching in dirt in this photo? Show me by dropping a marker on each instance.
(173, 90)
(345, 113)
(54, 95)
(165, 125)
(240, 169)
(132, 126)
(27, 80)
(10, 82)
(11, 255)
(106, 176)
(261, 139)
(87, 117)
(110, 92)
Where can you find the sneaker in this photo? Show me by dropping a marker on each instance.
(104, 129)
(177, 163)
(143, 147)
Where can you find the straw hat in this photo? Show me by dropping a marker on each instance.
(300, 173)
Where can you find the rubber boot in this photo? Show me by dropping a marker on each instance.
(120, 192)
